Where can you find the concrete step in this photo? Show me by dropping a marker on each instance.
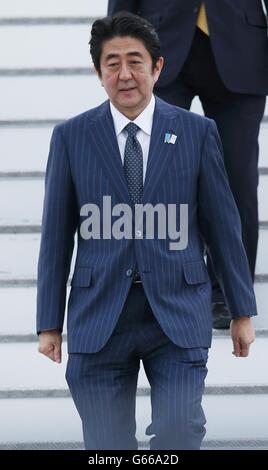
(25, 209)
(25, 369)
(19, 247)
(25, 247)
(263, 144)
(20, 303)
(33, 420)
(35, 51)
(12, 249)
(263, 197)
(141, 392)
(61, 97)
(262, 255)
(224, 405)
(26, 147)
(15, 9)
(261, 292)
(224, 444)
(22, 207)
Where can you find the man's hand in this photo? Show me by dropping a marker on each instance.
(242, 332)
(50, 344)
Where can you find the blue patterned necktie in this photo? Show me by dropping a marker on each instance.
(133, 163)
(133, 167)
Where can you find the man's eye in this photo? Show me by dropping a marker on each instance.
(135, 62)
(112, 65)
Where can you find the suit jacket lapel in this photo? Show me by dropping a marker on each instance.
(160, 153)
(104, 141)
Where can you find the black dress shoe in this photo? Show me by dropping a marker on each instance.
(221, 316)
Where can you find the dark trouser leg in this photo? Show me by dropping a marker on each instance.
(176, 376)
(238, 119)
(177, 379)
(103, 384)
(104, 393)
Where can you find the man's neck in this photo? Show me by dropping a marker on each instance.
(132, 114)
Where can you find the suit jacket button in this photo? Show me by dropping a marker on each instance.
(129, 272)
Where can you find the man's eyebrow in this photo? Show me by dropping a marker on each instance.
(131, 54)
(135, 53)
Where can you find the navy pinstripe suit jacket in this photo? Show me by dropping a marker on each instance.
(84, 165)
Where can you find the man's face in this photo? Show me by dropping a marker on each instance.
(127, 75)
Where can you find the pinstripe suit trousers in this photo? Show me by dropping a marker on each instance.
(103, 384)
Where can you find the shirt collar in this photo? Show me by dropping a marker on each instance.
(144, 119)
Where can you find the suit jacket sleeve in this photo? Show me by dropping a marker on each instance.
(127, 5)
(59, 223)
(221, 228)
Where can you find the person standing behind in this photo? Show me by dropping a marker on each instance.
(217, 51)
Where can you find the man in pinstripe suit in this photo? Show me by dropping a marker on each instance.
(134, 298)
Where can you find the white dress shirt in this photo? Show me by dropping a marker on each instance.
(145, 123)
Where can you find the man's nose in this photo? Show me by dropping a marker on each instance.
(125, 72)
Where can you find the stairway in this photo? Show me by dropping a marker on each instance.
(45, 77)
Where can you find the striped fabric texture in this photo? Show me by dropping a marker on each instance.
(84, 165)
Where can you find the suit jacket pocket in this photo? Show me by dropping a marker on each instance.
(195, 272)
(82, 277)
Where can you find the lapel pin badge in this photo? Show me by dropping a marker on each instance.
(170, 138)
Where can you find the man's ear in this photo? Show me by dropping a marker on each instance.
(158, 67)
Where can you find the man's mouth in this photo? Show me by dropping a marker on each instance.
(127, 89)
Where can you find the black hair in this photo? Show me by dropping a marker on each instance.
(123, 24)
